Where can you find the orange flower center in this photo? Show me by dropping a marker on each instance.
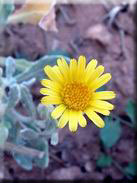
(76, 96)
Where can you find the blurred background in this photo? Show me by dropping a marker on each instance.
(105, 32)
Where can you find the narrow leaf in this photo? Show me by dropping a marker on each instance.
(14, 96)
(10, 67)
(131, 110)
(54, 138)
(3, 134)
(27, 100)
(131, 169)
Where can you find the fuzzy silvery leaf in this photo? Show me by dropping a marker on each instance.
(5, 10)
(13, 130)
(28, 134)
(13, 96)
(24, 161)
(44, 161)
(21, 64)
(43, 112)
(3, 134)
(54, 138)
(2, 90)
(10, 67)
(3, 108)
(50, 127)
(27, 100)
(1, 72)
(29, 82)
(37, 68)
(7, 123)
(38, 144)
(40, 124)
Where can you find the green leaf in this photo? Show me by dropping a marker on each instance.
(103, 88)
(111, 133)
(131, 169)
(24, 161)
(4, 132)
(104, 161)
(131, 110)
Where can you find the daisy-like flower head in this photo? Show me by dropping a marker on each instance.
(72, 88)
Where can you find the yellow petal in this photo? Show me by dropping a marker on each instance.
(90, 69)
(73, 69)
(57, 112)
(96, 119)
(51, 100)
(81, 68)
(101, 111)
(82, 120)
(73, 121)
(104, 95)
(51, 85)
(101, 104)
(57, 71)
(63, 67)
(98, 71)
(63, 119)
(100, 81)
(46, 91)
(53, 74)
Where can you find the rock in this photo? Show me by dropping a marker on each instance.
(132, 5)
(95, 176)
(121, 154)
(70, 173)
(89, 166)
(113, 172)
(99, 33)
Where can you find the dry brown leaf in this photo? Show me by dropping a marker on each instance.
(32, 12)
(48, 21)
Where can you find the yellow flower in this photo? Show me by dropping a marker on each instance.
(72, 88)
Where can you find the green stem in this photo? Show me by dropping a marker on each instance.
(116, 164)
(23, 150)
(120, 168)
(122, 120)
